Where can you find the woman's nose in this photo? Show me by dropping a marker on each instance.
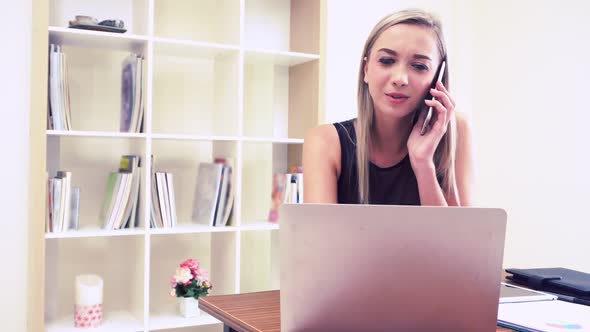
(399, 76)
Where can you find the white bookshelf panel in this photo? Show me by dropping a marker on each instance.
(133, 12)
(215, 252)
(196, 95)
(97, 39)
(204, 322)
(182, 158)
(107, 134)
(95, 88)
(112, 322)
(91, 159)
(261, 225)
(214, 21)
(119, 261)
(278, 58)
(97, 232)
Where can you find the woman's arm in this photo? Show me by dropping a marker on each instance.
(321, 165)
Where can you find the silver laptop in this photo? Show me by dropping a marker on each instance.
(390, 268)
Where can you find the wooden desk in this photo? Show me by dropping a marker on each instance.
(249, 312)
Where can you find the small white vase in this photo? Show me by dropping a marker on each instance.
(189, 307)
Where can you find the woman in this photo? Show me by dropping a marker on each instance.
(381, 157)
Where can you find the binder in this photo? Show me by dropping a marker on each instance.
(554, 280)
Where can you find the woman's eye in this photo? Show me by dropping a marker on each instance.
(386, 61)
(420, 67)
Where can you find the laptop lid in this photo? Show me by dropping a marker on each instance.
(386, 268)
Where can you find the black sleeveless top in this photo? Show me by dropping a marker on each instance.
(394, 185)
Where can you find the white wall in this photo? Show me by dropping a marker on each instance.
(14, 137)
(531, 120)
(520, 69)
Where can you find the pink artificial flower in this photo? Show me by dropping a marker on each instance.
(203, 275)
(183, 275)
(193, 265)
(172, 282)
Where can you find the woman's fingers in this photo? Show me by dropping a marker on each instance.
(442, 115)
(442, 88)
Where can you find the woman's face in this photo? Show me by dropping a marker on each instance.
(400, 68)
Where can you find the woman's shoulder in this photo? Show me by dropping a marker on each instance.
(322, 143)
(463, 124)
(324, 136)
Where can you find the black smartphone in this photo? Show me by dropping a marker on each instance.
(438, 78)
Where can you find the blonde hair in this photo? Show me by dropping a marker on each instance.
(444, 156)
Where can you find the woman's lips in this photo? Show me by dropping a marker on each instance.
(396, 98)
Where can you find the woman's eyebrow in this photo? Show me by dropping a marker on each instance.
(394, 53)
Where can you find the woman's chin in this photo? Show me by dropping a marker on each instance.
(395, 111)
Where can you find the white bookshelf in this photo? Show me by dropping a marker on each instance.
(233, 78)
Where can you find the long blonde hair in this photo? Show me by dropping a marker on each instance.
(444, 156)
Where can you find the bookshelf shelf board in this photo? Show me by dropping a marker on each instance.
(119, 321)
(192, 49)
(194, 137)
(94, 233)
(279, 58)
(172, 321)
(259, 226)
(109, 134)
(193, 228)
(273, 140)
(97, 39)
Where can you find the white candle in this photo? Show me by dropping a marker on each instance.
(88, 289)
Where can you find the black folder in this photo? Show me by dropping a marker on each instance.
(555, 280)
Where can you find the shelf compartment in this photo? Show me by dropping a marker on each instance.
(285, 25)
(123, 291)
(196, 95)
(133, 12)
(215, 21)
(216, 252)
(260, 162)
(259, 261)
(280, 101)
(91, 159)
(97, 39)
(95, 77)
(182, 159)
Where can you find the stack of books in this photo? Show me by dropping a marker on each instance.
(213, 203)
(63, 203)
(163, 206)
(120, 205)
(132, 105)
(59, 114)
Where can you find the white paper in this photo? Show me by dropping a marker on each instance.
(88, 289)
(558, 316)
